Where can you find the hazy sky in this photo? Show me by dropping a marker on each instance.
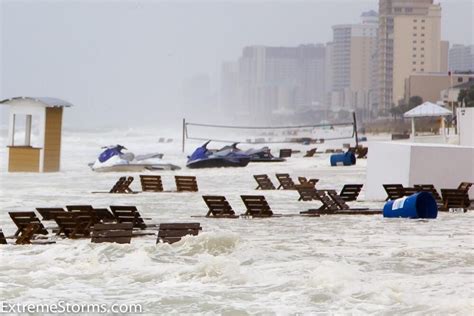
(127, 60)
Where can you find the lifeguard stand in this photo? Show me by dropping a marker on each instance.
(47, 114)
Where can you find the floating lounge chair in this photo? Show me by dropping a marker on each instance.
(430, 189)
(151, 183)
(173, 232)
(3, 241)
(285, 153)
(307, 192)
(186, 184)
(218, 207)
(286, 183)
(75, 224)
(455, 198)
(311, 152)
(264, 182)
(345, 209)
(396, 191)
(304, 180)
(122, 186)
(120, 233)
(328, 205)
(130, 214)
(23, 219)
(256, 206)
(362, 152)
(48, 213)
(350, 192)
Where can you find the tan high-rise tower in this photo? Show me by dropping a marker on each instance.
(388, 10)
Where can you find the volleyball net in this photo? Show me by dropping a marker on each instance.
(310, 133)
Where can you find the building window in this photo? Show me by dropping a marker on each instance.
(422, 62)
(422, 34)
(422, 42)
(408, 9)
(422, 21)
(422, 56)
(422, 69)
(397, 9)
(414, 48)
(414, 42)
(414, 63)
(414, 55)
(415, 20)
(460, 79)
(422, 48)
(414, 27)
(422, 27)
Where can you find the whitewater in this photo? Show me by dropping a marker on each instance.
(331, 264)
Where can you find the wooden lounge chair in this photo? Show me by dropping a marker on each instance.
(218, 207)
(307, 192)
(285, 153)
(465, 186)
(350, 192)
(264, 182)
(304, 180)
(74, 224)
(345, 209)
(120, 233)
(430, 189)
(328, 205)
(151, 183)
(455, 198)
(394, 191)
(256, 206)
(362, 152)
(173, 232)
(23, 219)
(48, 213)
(122, 186)
(286, 183)
(311, 152)
(3, 241)
(130, 214)
(186, 184)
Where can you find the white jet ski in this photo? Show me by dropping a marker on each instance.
(112, 159)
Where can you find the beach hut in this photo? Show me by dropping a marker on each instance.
(42, 119)
(426, 109)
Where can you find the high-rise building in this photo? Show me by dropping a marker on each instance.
(416, 47)
(354, 46)
(461, 58)
(230, 88)
(388, 10)
(275, 79)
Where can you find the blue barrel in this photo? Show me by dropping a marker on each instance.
(418, 205)
(345, 159)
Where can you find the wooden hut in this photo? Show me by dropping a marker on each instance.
(42, 118)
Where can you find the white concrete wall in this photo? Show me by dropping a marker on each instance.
(385, 164)
(465, 120)
(444, 166)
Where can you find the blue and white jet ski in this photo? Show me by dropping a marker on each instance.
(227, 156)
(113, 159)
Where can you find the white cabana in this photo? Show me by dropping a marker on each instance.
(426, 109)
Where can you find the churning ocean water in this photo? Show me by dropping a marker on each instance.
(333, 264)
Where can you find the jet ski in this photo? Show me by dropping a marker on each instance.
(224, 157)
(113, 159)
(256, 155)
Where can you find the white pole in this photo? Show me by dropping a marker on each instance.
(443, 128)
(413, 129)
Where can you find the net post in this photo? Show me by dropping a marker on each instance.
(184, 135)
(355, 129)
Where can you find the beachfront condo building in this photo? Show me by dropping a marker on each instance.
(461, 58)
(353, 51)
(388, 11)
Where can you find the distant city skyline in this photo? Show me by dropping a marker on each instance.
(129, 57)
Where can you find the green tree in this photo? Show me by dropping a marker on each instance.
(466, 97)
(414, 102)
